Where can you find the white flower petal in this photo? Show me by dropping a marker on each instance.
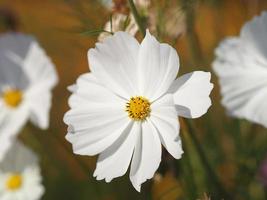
(164, 118)
(91, 93)
(94, 140)
(158, 65)
(24, 162)
(72, 88)
(253, 34)
(33, 189)
(10, 125)
(249, 105)
(18, 158)
(243, 76)
(89, 129)
(24, 66)
(97, 117)
(191, 94)
(115, 160)
(39, 67)
(39, 101)
(11, 74)
(113, 63)
(24, 53)
(147, 155)
(243, 91)
(17, 43)
(233, 51)
(93, 105)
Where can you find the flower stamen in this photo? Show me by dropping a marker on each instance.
(12, 97)
(138, 108)
(14, 182)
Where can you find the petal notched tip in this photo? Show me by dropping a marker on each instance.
(100, 177)
(148, 32)
(72, 88)
(136, 185)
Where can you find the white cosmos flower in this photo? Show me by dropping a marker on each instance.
(140, 4)
(27, 76)
(20, 177)
(241, 66)
(127, 107)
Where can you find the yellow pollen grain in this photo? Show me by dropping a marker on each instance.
(138, 108)
(12, 98)
(14, 182)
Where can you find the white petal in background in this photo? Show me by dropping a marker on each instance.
(40, 102)
(241, 66)
(24, 66)
(18, 158)
(253, 35)
(10, 124)
(21, 160)
(243, 88)
(39, 67)
(42, 77)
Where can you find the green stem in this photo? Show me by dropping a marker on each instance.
(82, 164)
(137, 17)
(32, 129)
(45, 143)
(210, 173)
(192, 37)
(191, 186)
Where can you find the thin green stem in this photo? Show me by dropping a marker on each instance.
(191, 186)
(32, 129)
(265, 193)
(192, 37)
(209, 171)
(137, 17)
(45, 143)
(82, 164)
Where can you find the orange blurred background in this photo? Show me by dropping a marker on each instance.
(57, 25)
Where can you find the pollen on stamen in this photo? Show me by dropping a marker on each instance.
(138, 108)
(14, 182)
(12, 97)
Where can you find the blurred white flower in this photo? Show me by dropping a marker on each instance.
(127, 107)
(117, 5)
(241, 66)
(20, 177)
(107, 3)
(27, 76)
(142, 4)
(175, 22)
(120, 22)
(122, 19)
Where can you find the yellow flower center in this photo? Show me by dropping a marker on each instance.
(12, 97)
(138, 108)
(14, 182)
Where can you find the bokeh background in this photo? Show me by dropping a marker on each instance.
(58, 26)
